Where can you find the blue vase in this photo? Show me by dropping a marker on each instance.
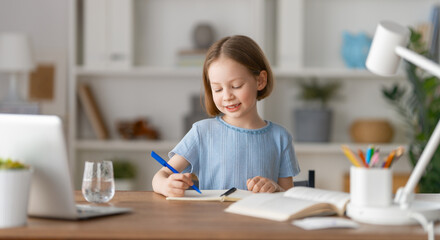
(355, 48)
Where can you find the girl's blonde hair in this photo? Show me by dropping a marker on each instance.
(243, 50)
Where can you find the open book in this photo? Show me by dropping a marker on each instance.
(297, 202)
(212, 195)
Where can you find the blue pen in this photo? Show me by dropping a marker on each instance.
(165, 164)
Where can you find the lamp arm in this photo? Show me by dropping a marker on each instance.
(404, 195)
(418, 60)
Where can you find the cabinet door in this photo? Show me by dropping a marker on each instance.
(108, 33)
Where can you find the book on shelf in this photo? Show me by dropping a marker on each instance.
(191, 57)
(297, 202)
(212, 195)
(92, 111)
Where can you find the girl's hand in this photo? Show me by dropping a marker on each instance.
(262, 184)
(176, 184)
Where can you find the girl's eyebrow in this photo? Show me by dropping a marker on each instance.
(232, 80)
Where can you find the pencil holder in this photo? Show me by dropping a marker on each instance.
(370, 187)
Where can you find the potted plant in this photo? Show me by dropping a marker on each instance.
(15, 181)
(419, 108)
(124, 173)
(313, 121)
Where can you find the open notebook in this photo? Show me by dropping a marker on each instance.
(212, 195)
(38, 141)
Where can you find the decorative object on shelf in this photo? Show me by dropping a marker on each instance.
(92, 111)
(197, 113)
(419, 110)
(371, 131)
(313, 121)
(41, 83)
(16, 60)
(137, 129)
(124, 174)
(355, 49)
(15, 182)
(203, 35)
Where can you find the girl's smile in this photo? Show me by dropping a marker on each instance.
(233, 108)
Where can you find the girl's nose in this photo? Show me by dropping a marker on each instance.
(227, 95)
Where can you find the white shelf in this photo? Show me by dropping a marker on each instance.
(196, 72)
(141, 146)
(124, 145)
(335, 148)
(329, 73)
(161, 72)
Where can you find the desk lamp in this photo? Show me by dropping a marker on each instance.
(15, 59)
(388, 46)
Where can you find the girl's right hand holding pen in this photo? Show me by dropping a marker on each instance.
(176, 184)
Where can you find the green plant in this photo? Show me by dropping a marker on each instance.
(10, 164)
(312, 90)
(420, 109)
(123, 169)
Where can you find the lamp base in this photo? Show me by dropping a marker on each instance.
(19, 108)
(394, 215)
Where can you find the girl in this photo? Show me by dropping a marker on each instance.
(236, 148)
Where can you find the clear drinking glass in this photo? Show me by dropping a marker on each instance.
(98, 184)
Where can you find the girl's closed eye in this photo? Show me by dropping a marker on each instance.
(238, 86)
(217, 90)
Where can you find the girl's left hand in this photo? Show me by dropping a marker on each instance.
(261, 184)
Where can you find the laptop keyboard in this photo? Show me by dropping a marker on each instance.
(87, 211)
(91, 209)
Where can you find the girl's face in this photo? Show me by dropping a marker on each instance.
(234, 91)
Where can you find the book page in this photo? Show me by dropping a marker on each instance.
(212, 195)
(339, 199)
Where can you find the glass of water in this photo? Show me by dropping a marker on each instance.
(98, 184)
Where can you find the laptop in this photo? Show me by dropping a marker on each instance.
(38, 141)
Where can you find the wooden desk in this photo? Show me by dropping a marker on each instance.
(156, 218)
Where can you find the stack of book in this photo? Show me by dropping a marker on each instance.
(191, 57)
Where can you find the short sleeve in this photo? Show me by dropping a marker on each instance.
(289, 164)
(188, 148)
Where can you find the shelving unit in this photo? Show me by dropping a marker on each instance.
(301, 38)
(141, 146)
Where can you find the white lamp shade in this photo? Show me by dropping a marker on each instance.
(15, 53)
(382, 58)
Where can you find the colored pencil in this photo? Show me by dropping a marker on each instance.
(350, 155)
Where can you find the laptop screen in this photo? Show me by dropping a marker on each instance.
(38, 141)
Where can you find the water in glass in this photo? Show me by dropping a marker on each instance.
(98, 185)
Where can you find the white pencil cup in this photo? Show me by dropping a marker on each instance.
(370, 187)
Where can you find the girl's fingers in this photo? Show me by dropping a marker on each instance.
(260, 184)
(268, 187)
(183, 177)
(251, 183)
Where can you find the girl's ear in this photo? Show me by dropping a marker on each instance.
(262, 80)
